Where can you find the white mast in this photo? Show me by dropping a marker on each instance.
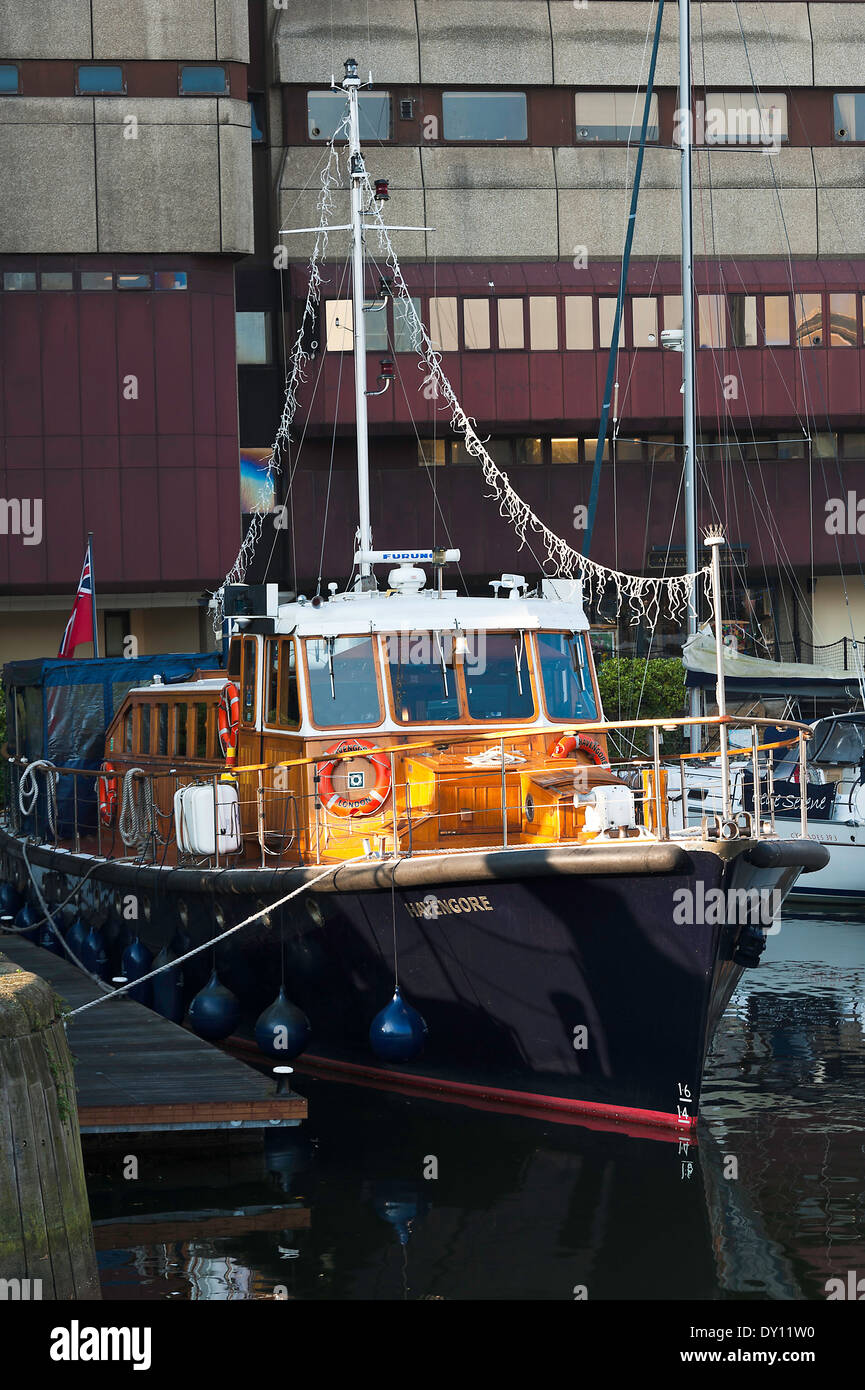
(689, 420)
(351, 84)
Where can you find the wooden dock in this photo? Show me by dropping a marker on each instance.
(135, 1072)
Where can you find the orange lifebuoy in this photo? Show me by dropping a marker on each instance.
(107, 790)
(342, 805)
(570, 744)
(229, 721)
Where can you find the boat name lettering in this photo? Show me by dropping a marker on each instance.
(432, 907)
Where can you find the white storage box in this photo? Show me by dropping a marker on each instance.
(199, 831)
(613, 809)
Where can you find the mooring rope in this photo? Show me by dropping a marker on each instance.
(28, 791)
(135, 822)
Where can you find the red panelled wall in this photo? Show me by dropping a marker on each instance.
(150, 466)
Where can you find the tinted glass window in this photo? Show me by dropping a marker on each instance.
(97, 280)
(422, 678)
(206, 80)
(342, 680)
(100, 79)
(19, 279)
(498, 687)
(138, 281)
(842, 743)
(247, 692)
(56, 280)
(327, 110)
(144, 726)
(850, 116)
(8, 77)
(127, 731)
(484, 115)
(234, 652)
(565, 673)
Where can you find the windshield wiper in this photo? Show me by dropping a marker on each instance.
(518, 658)
(330, 645)
(577, 661)
(443, 665)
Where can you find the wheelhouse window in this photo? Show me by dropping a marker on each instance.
(484, 116)
(566, 676)
(342, 681)
(162, 730)
(499, 685)
(201, 722)
(144, 729)
(283, 705)
(127, 731)
(326, 112)
(423, 681)
(247, 682)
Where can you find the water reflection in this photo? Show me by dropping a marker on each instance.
(379, 1197)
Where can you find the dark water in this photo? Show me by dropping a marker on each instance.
(769, 1205)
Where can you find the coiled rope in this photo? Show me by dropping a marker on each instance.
(135, 822)
(28, 791)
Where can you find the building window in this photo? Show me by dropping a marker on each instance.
(117, 627)
(203, 81)
(19, 279)
(253, 339)
(256, 119)
(644, 314)
(339, 327)
(326, 112)
(850, 116)
(842, 320)
(564, 450)
(673, 311)
(431, 453)
(375, 324)
(613, 117)
(741, 118)
(405, 330)
(137, 281)
(510, 320)
(853, 445)
(579, 331)
(476, 324)
(776, 318)
(8, 78)
(169, 280)
(96, 78)
(544, 322)
(808, 311)
(591, 445)
(606, 319)
(712, 320)
(743, 320)
(484, 116)
(97, 280)
(443, 324)
(55, 280)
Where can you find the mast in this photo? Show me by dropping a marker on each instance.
(351, 85)
(689, 420)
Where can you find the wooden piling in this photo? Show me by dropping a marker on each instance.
(46, 1238)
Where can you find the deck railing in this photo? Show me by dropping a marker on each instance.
(470, 792)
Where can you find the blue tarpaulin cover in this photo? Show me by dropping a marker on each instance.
(60, 709)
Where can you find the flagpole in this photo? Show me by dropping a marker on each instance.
(93, 594)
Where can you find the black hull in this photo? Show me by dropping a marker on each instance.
(505, 972)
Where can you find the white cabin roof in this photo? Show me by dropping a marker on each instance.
(180, 687)
(426, 611)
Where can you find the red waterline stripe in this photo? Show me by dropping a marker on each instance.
(526, 1101)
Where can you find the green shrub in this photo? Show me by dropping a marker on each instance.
(641, 688)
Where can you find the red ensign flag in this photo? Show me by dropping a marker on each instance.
(80, 626)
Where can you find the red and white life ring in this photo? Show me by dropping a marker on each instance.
(229, 721)
(341, 805)
(107, 792)
(569, 744)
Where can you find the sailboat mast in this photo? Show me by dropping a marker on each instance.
(689, 421)
(351, 86)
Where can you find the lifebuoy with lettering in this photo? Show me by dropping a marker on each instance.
(374, 798)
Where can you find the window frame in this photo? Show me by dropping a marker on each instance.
(625, 140)
(482, 92)
(373, 638)
(584, 634)
(100, 92)
(183, 67)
